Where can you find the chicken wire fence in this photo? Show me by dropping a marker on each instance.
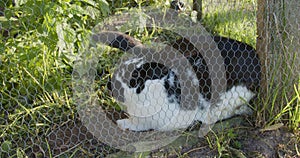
(88, 78)
(278, 36)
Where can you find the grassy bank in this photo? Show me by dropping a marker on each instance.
(39, 43)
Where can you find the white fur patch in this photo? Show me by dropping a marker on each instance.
(193, 76)
(144, 104)
(151, 108)
(231, 103)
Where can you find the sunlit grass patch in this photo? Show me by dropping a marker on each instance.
(235, 19)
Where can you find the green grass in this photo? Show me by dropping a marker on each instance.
(231, 19)
(237, 19)
(36, 67)
(281, 102)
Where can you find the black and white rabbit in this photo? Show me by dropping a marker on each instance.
(152, 92)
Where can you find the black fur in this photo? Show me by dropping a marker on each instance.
(240, 60)
(147, 71)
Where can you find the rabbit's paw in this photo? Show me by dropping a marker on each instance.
(125, 124)
(243, 110)
(130, 125)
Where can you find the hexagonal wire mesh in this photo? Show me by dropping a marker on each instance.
(43, 42)
(160, 103)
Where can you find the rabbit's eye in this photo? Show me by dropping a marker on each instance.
(133, 83)
(135, 74)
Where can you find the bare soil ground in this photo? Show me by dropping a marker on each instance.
(252, 143)
(74, 139)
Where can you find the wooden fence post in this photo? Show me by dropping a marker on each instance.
(197, 6)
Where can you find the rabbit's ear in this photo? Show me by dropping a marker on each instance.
(116, 39)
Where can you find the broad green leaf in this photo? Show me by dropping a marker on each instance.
(92, 12)
(77, 10)
(104, 7)
(90, 2)
(20, 2)
(6, 146)
(61, 40)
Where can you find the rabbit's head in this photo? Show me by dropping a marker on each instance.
(147, 89)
